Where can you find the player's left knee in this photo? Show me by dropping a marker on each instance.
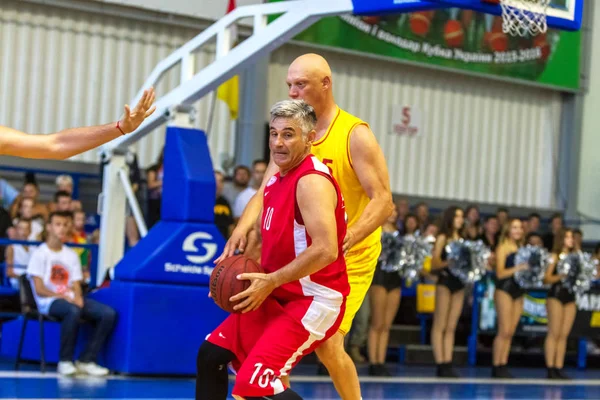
(256, 379)
(286, 395)
(332, 347)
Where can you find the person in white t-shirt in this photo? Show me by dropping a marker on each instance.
(259, 167)
(56, 273)
(18, 255)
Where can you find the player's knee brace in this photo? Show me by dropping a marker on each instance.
(288, 394)
(211, 380)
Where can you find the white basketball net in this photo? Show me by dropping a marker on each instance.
(522, 17)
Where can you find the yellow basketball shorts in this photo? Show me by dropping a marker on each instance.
(360, 265)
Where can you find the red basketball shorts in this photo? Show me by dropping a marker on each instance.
(268, 342)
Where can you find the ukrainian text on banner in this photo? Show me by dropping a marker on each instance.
(457, 39)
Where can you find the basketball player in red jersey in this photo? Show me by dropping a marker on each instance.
(70, 142)
(349, 148)
(299, 301)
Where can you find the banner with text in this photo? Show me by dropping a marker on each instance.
(457, 39)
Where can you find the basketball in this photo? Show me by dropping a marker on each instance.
(498, 41)
(420, 22)
(542, 42)
(224, 282)
(454, 33)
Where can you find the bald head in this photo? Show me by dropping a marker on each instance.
(312, 65)
(309, 79)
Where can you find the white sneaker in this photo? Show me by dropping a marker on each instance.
(66, 368)
(92, 369)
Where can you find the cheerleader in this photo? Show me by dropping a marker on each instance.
(508, 295)
(449, 294)
(384, 296)
(561, 309)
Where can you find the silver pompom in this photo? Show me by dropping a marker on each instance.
(391, 246)
(579, 270)
(412, 257)
(537, 259)
(468, 260)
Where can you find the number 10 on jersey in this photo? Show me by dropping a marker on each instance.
(267, 219)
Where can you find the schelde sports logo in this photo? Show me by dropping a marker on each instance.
(196, 256)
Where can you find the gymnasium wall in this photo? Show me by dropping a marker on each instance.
(589, 167)
(483, 141)
(61, 68)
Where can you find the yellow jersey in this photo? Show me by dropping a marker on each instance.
(333, 149)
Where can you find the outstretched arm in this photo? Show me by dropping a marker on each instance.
(70, 142)
(317, 201)
(370, 167)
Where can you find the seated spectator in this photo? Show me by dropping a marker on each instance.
(259, 167)
(18, 255)
(422, 211)
(63, 201)
(223, 214)
(534, 239)
(77, 235)
(64, 183)
(556, 227)
(154, 176)
(502, 215)
(578, 239)
(30, 191)
(403, 208)
(27, 209)
(241, 178)
(56, 273)
(534, 222)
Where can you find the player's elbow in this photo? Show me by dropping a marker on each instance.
(328, 253)
(57, 149)
(388, 204)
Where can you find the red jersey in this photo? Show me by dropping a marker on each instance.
(285, 237)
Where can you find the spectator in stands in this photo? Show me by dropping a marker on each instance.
(30, 191)
(63, 201)
(597, 254)
(258, 172)
(77, 235)
(422, 211)
(64, 183)
(561, 307)
(502, 215)
(534, 222)
(472, 229)
(403, 209)
(241, 178)
(491, 227)
(384, 296)
(18, 255)
(431, 231)
(534, 239)
(508, 295)
(410, 224)
(556, 225)
(449, 294)
(26, 211)
(135, 177)
(154, 177)
(223, 214)
(578, 238)
(56, 273)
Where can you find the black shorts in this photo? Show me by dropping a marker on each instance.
(389, 280)
(560, 293)
(450, 281)
(510, 286)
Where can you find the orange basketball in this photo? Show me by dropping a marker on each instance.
(420, 22)
(542, 42)
(498, 41)
(371, 20)
(454, 33)
(224, 282)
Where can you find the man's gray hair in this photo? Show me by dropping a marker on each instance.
(298, 110)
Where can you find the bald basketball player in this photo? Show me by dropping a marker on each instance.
(70, 142)
(348, 147)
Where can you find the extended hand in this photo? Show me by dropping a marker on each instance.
(349, 241)
(237, 241)
(133, 119)
(261, 287)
